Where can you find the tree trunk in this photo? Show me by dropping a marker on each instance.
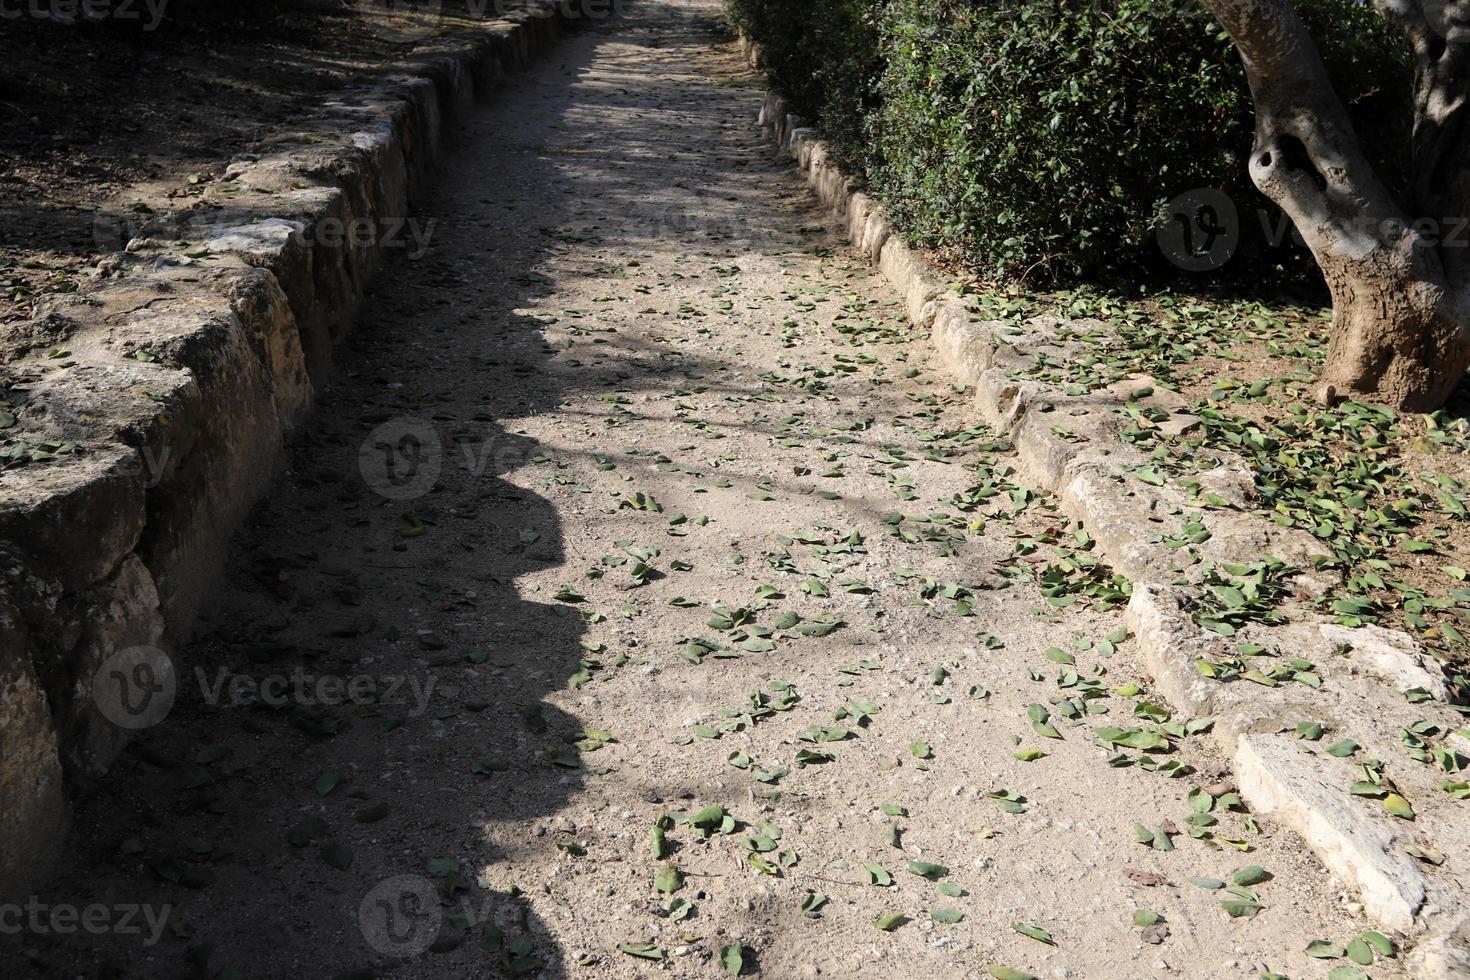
(1396, 339)
(1399, 272)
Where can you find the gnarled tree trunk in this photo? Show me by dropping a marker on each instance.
(1398, 270)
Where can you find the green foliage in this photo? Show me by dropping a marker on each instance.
(1041, 137)
(825, 56)
(1035, 140)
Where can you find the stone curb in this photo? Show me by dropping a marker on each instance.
(1088, 468)
(185, 363)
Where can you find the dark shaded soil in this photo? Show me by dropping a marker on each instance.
(165, 95)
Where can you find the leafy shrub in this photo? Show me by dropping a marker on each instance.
(1042, 141)
(825, 56)
(1041, 137)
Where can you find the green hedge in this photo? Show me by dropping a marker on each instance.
(825, 56)
(1041, 137)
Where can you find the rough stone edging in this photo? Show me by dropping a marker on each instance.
(1275, 777)
(112, 548)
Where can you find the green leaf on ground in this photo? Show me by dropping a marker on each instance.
(644, 951)
(890, 921)
(1006, 973)
(1033, 932)
(732, 958)
(925, 869)
(668, 879)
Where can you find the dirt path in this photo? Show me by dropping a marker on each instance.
(635, 497)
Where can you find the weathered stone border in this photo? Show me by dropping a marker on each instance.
(178, 372)
(1087, 467)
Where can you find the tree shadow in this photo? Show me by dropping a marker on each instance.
(365, 699)
(205, 79)
(360, 828)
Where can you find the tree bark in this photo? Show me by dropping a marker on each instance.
(1398, 336)
(1398, 271)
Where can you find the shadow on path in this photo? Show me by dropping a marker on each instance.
(366, 698)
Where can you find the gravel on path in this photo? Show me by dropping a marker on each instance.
(638, 521)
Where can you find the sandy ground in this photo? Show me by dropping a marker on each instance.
(636, 392)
